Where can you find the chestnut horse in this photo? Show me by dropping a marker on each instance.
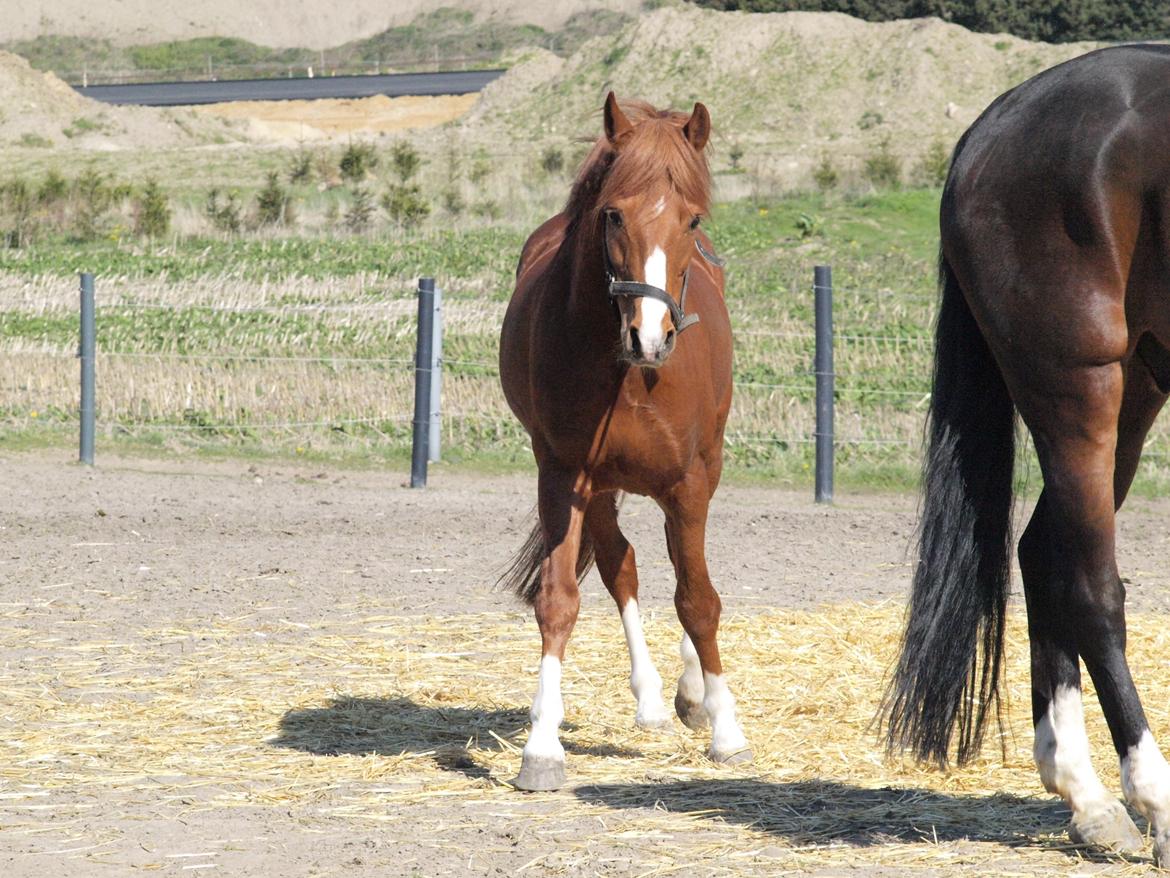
(1055, 302)
(615, 355)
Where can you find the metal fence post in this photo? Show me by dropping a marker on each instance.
(436, 424)
(823, 369)
(422, 381)
(86, 354)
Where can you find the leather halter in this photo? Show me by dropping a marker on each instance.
(677, 309)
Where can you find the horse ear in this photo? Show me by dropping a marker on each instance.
(698, 127)
(616, 123)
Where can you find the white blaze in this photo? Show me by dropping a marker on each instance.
(1145, 777)
(1061, 751)
(548, 710)
(650, 333)
(645, 681)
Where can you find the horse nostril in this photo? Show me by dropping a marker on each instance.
(668, 346)
(635, 342)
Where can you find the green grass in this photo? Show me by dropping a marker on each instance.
(479, 253)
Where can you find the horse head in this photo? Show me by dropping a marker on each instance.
(650, 206)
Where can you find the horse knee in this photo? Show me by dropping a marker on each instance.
(699, 614)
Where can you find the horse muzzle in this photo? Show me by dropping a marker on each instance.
(642, 349)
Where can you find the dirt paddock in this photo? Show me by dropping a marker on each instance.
(227, 668)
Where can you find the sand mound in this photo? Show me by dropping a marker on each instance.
(40, 110)
(787, 87)
(268, 22)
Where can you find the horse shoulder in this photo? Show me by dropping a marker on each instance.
(542, 243)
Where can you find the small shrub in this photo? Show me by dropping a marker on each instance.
(809, 225)
(81, 125)
(273, 203)
(358, 161)
(325, 170)
(734, 155)
(360, 211)
(882, 168)
(152, 211)
(454, 164)
(93, 196)
(552, 161)
(18, 201)
(31, 138)
(481, 167)
(224, 213)
(405, 205)
(53, 189)
(406, 161)
(935, 164)
(869, 119)
(825, 175)
(487, 209)
(300, 167)
(453, 202)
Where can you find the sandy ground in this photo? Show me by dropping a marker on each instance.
(292, 121)
(97, 562)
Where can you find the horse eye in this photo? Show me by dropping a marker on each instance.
(695, 223)
(614, 217)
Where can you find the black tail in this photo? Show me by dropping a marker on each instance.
(523, 574)
(949, 671)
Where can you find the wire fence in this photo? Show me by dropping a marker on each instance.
(239, 395)
(251, 391)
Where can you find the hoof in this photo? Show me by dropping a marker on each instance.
(736, 757)
(540, 774)
(692, 713)
(1108, 826)
(662, 723)
(1162, 849)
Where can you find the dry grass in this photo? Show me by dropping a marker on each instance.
(372, 713)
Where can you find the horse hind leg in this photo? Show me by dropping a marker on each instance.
(561, 503)
(619, 572)
(1076, 603)
(1145, 776)
(1061, 748)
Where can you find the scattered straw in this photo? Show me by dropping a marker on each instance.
(364, 719)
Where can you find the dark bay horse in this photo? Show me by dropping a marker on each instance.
(615, 355)
(1055, 302)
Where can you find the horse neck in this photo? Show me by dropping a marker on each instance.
(589, 307)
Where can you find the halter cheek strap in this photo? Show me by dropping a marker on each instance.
(678, 314)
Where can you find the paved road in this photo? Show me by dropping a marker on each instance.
(169, 94)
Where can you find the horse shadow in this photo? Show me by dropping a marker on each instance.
(450, 736)
(821, 812)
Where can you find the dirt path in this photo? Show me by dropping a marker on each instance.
(170, 633)
(219, 538)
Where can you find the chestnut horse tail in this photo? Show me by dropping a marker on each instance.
(947, 677)
(522, 575)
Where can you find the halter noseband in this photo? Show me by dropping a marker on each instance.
(636, 288)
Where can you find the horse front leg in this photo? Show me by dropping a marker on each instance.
(561, 502)
(619, 572)
(698, 607)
